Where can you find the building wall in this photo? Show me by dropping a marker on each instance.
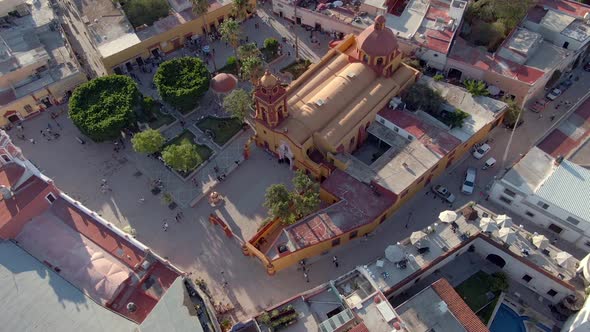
(556, 38)
(13, 78)
(580, 321)
(515, 269)
(10, 228)
(56, 93)
(164, 40)
(524, 206)
(311, 18)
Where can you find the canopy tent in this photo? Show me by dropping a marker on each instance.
(447, 216)
(417, 237)
(564, 259)
(488, 225)
(507, 235)
(540, 241)
(503, 221)
(394, 253)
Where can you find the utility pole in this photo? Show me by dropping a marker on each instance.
(295, 31)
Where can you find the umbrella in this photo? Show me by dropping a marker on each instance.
(417, 236)
(394, 253)
(488, 225)
(564, 259)
(337, 3)
(507, 235)
(447, 216)
(540, 241)
(503, 221)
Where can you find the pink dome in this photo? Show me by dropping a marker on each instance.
(377, 40)
(223, 83)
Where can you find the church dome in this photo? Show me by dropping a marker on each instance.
(377, 40)
(223, 83)
(268, 80)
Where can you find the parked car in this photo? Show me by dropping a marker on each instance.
(553, 94)
(481, 151)
(538, 106)
(587, 67)
(565, 85)
(444, 193)
(469, 182)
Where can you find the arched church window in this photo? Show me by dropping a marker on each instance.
(366, 58)
(379, 61)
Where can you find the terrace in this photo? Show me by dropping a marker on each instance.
(345, 11)
(445, 239)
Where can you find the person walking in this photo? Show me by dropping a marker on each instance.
(335, 261)
(165, 226)
(306, 276)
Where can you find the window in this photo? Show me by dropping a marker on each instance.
(28, 108)
(543, 205)
(527, 278)
(396, 129)
(510, 193)
(50, 198)
(366, 58)
(572, 220)
(404, 193)
(6, 158)
(335, 242)
(435, 55)
(551, 292)
(556, 229)
(410, 137)
(565, 45)
(353, 234)
(379, 61)
(506, 200)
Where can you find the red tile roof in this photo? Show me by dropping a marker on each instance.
(563, 142)
(568, 7)
(27, 194)
(465, 53)
(104, 237)
(435, 13)
(360, 328)
(458, 307)
(10, 174)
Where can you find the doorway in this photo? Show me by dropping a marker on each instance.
(318, 27)
(298, 20)
(129, 66)
(156, 52)
(14, 118)
(139, 61)
(46, 102)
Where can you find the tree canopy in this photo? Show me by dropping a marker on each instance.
(294, 205)
(140, 12)
(102, 107)
(148, 141)
(182, 157)
(241, 8)
(420, 96)
(476, 88)
(272, 45)
(182, 81)
(238, 103)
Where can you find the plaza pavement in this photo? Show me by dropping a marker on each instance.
(196, 246)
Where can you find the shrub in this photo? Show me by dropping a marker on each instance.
(439, 77)
(102, 107)
(476, 88)
(182, 81)
(272, 45)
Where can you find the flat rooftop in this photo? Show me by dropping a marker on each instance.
(111, 31)
(440, 305)
(406, 24)
(531, 171)
(442, 241)
(35, 298)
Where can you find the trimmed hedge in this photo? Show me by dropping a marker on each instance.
(102, 107)
(182, 81)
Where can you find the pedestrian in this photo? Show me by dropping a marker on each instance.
(48, 125)
(552, 118)
(540, 116)
(335, 261)
(176, 217)
(32, 140)
(142, 200)
(165, 226)
(19, 127)
(306, 276)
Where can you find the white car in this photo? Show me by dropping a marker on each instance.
(469, 182)
(553, 94)
(481, 151)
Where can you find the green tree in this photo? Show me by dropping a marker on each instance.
(272, 45)
(499, 282)
(476, 88)
(182, 157)
(241, 9)
(512, 113)
(140, 12)
(248, 50)
(230, 33)
(148, 141)
(252, 68)
(102, 107)
(277, 200)
(303, 183)
(306, 196)
(182, 81)
(421, 96)
(455, 119)
(201, 7)
(238, 103)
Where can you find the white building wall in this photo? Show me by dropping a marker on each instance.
(312, 18)
(393, 127)
(469, 72)
(524, 206)
(434, 59)
(516, 269)
(580, 321)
